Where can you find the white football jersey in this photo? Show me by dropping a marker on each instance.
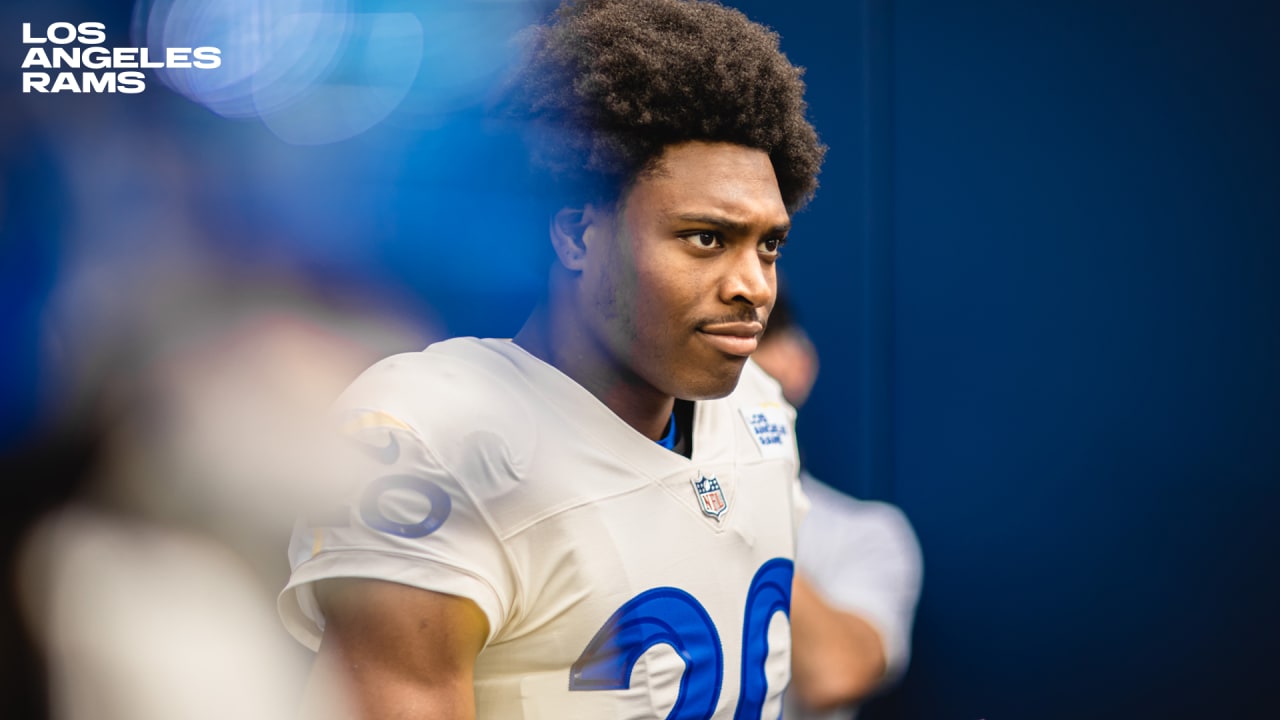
(620, 579)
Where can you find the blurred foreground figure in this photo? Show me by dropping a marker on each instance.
(858, 568)
(595, 519)
(150, 593)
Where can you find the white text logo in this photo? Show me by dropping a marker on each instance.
(70, 58)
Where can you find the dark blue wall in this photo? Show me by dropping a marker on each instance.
(1044, 263)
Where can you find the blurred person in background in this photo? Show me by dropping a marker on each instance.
(858, 567)
(167, 435)
(149, 592)
(40, 469)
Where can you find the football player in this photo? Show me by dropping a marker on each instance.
(595, 519)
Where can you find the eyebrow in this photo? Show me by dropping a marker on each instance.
(732, 226)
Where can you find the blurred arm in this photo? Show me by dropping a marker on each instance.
(837, 658)
(399, 652)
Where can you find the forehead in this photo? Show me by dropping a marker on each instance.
(733, 180)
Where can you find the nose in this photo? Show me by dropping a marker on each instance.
(748, 280)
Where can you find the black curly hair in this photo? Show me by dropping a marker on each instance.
(610, 83)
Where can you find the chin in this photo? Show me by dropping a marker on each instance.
(710, 387)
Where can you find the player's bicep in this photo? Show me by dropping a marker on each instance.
(404, 518)
(396, 651)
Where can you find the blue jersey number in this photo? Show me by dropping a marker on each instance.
(666, 616)
(770, 593)
(670, 616)
(374, 517)
(370, 510)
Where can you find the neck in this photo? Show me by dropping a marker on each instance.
(556, 335)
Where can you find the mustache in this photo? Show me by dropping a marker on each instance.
(746, 316)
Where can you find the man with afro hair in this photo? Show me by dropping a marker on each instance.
(610, 85)
(597, 518)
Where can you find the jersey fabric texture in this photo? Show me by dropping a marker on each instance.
(619, 579)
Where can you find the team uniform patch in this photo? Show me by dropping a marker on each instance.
(770, 429)
(710, 496)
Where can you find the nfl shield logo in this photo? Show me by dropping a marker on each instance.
(710, 496)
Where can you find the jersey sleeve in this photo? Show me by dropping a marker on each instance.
(403, 517)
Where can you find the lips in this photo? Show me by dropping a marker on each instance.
(735, 338)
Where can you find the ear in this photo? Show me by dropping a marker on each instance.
(571, 234)
(568, 226)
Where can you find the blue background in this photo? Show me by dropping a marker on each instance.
(1057, 226)
(1041, 272)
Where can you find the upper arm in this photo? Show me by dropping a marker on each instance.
(857, 583)
(863, 558)
(398, 651)
(837, 657)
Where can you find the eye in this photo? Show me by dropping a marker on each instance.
(772, 246)
(704, 239)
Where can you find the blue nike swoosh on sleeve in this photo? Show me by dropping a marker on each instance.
(385, 454)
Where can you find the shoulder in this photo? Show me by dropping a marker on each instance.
(460, 369)
(451, 384)
(758, 399)
(836, 520)
(765, 419)
(756, 386)
(833, 506)
(455, 398)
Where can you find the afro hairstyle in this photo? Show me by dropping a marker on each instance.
(609, 84)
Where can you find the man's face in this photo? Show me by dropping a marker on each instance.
(679, 279)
